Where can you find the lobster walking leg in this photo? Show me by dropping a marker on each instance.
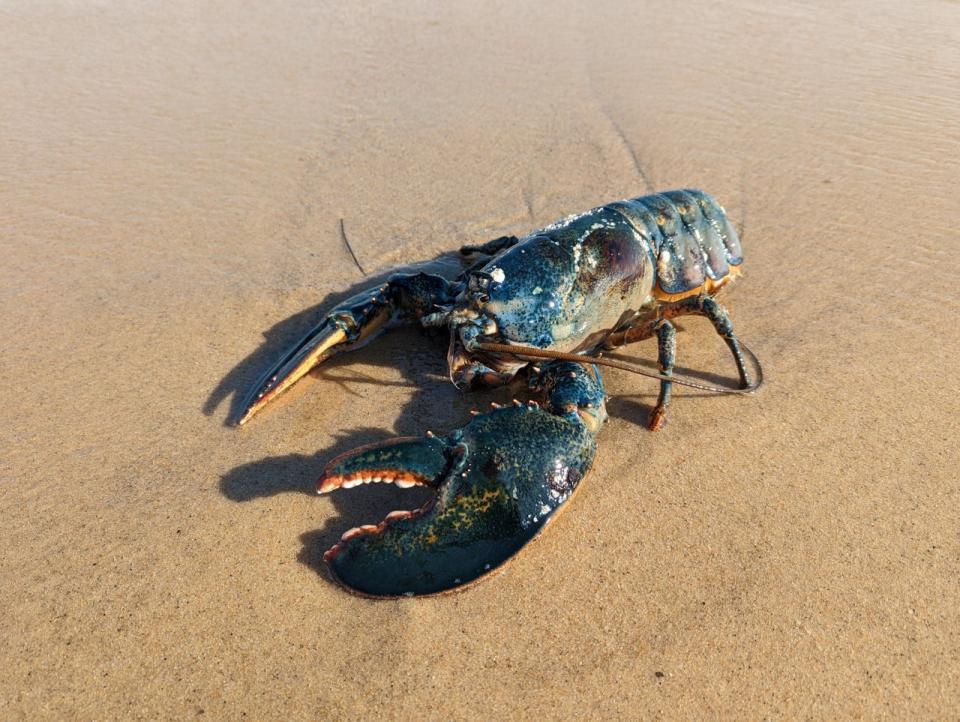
(667, 344)
(666, 355)
(717, 314)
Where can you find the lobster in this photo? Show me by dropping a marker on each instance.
(548, 304)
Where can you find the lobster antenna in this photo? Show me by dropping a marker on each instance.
(532, 352)
(346, 242)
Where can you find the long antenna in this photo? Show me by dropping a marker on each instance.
(343, 235)
(532, 352)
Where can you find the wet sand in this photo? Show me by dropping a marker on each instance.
(171, 186)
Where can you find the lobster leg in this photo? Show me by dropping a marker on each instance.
(708, 306)
(666, 354)
(348, 326)
(667, 343)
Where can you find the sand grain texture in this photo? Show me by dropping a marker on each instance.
(171, 184)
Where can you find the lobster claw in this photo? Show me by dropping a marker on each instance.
(348, 326)
(314, 348)
(499, 480)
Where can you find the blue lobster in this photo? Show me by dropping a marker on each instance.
(548, 303)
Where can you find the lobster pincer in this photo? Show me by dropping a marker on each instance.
(349, 326)
(497, 482)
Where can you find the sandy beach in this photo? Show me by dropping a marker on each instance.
(172, 183)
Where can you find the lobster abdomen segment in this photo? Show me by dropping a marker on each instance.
(696, 246)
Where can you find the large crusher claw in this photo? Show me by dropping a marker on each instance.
(498, 481)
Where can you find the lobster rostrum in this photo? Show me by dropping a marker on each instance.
(551, 303)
